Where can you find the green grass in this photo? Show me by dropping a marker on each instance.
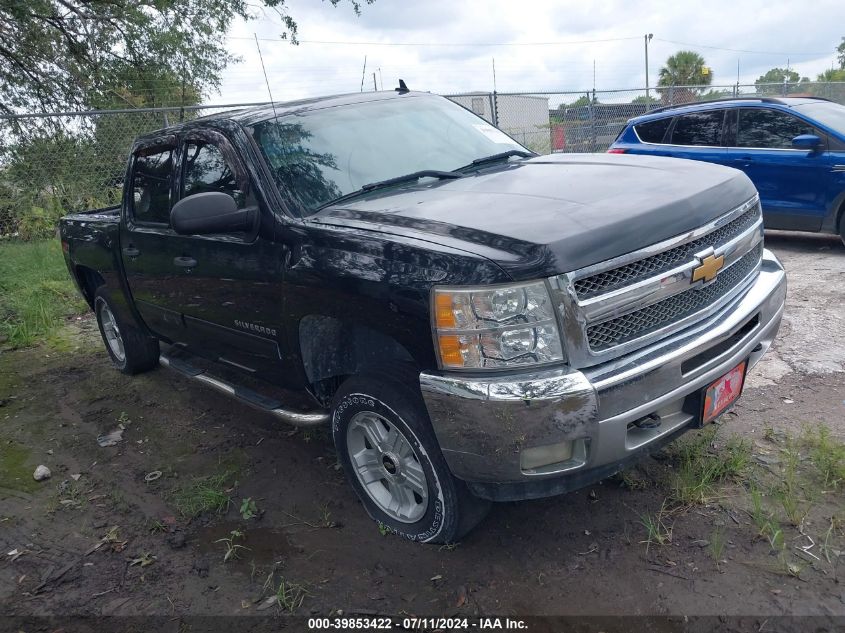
(826, 453)
(290, 595)
(16, 468)
(700, 469)
(657, 531)
(717, 545)
(36, 292)
(205, 494)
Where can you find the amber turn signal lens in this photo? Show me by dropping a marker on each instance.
(444, 315)
(450, 350)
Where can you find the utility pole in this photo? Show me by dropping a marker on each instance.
(647, 39)
(375, 87)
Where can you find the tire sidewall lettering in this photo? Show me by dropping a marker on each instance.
(366, 402)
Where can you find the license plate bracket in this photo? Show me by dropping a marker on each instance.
(721, 394)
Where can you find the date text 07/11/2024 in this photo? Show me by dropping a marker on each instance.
(413, 623)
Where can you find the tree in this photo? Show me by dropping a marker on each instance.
(581, 101)
(841, 54)
(831, 85)
(60, 54)
(644, 99)
(685, 68)
(832, 74)
(773, 81)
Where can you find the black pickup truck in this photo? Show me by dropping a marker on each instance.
(474, 322)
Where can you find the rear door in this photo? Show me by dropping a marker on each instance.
(792, 182)
(698, 136)
(144, 233)
(218, 295)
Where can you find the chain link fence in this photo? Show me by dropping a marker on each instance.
(589, 121)
(53, 164)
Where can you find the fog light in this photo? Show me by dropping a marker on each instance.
(533, 458)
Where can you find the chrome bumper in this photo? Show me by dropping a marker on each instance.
(485, 424)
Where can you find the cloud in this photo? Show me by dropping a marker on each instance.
(445, 46)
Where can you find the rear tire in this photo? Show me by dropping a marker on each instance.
(131, 350)
(390, 455)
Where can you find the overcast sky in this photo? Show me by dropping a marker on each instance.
(447, 46)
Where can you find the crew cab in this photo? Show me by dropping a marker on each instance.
(474, 322)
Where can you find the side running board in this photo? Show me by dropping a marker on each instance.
(254, 399)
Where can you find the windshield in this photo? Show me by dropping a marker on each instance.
(321, 155)
(831, 115)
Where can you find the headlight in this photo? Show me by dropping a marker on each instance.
(494, 328)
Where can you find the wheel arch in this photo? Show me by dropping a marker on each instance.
(333, 349)
(89, 280)
(840, 216)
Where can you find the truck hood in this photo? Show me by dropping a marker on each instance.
(553, 214)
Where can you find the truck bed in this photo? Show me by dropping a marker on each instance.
(90, 241)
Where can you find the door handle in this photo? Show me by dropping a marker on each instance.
(185, 262)
(131, 251)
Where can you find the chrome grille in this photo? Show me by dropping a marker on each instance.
(641, 322)
(630, 273)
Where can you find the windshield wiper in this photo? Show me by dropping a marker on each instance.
(398, 180)
(497, 157)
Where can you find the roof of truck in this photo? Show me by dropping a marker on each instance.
(255, 114)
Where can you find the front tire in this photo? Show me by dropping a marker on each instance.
(390, 455)
(131, 350)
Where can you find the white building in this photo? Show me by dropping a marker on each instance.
(524, 117)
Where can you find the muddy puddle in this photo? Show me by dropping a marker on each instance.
(241, 544)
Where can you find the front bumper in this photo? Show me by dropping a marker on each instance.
(486, 424)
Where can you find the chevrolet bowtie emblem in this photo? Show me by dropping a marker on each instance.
(708, 269)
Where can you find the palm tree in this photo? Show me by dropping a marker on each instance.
(684, 68)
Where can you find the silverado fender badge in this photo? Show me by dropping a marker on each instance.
(708, 268)
(256, 328)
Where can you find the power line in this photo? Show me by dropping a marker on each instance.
(742, 50)
(441, 44)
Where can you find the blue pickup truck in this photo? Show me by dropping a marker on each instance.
(792, 149)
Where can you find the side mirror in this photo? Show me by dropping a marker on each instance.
(210, 212)
(806, 141)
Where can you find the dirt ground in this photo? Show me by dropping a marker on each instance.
(98, 538)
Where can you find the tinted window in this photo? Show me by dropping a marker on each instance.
(764, 128)
(318, 155)
(151, 180)
(653, 131)
(698, 128)
(206, 169)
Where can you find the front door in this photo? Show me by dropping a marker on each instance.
(791, 182)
